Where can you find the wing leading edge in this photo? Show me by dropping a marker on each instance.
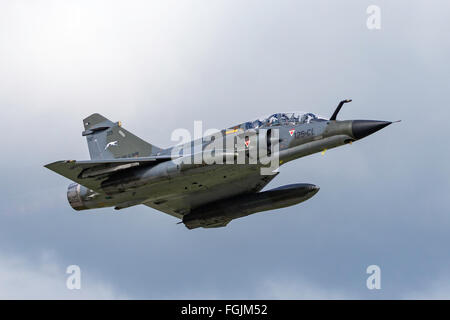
(90, 173)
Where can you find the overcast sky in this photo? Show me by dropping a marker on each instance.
(161, 65)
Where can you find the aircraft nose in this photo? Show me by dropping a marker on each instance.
(363, 128)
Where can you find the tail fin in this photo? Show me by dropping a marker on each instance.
(108, 140)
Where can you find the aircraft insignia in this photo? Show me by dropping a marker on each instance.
(112, 143)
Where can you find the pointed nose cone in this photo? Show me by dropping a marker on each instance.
(363, 128)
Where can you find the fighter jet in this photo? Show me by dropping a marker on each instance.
(208, 181)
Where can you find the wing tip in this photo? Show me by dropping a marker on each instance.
(52, 164)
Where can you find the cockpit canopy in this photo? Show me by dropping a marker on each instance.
(277, 119)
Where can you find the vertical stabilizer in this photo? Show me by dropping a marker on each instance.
(109, 140)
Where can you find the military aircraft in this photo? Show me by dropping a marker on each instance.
(125, 171)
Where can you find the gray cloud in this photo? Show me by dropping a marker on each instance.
(46, 279)
(160, 65)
